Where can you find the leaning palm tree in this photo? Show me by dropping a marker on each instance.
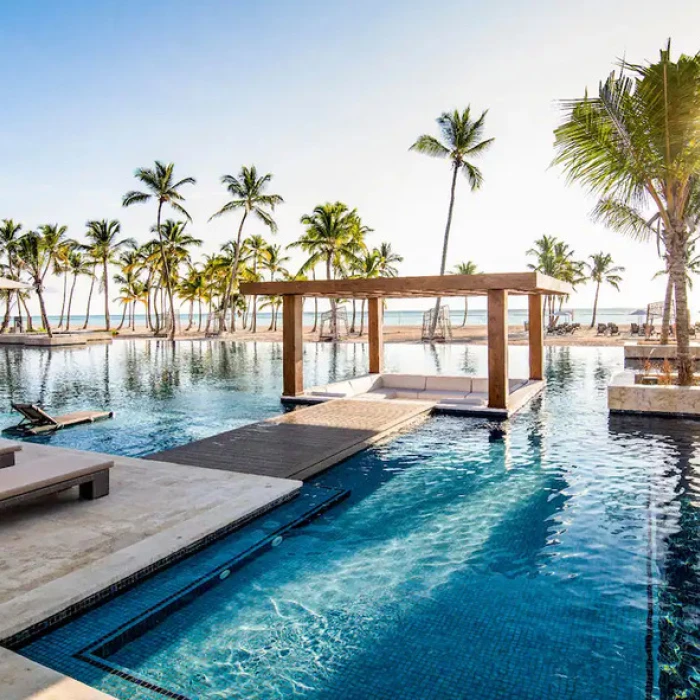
(462, 141)
(636, 145)
(602, 270)
(104, 245)
(162, 186)
(466, 268)
(248, 193)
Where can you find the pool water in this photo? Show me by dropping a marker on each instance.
(164, 395)
(553, 556)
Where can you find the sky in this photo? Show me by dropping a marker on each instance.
(327, 96)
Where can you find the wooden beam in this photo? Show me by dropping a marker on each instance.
(292, 346)
(498, 348)
(535, 336)
(375, 307)
(428, 286)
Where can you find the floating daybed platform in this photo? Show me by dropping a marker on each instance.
(35, 420)
(455, 395)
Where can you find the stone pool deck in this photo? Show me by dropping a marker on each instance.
(59, 551)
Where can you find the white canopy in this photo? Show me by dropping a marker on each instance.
(12, 284)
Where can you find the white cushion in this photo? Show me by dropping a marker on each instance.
(463, 384)
(442, 395)
(480, 384)
(415, 382)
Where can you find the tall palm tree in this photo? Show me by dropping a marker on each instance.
(104, 245)
(248, 193)
(60, 268)
(466, 268)
(602, 270)
(462, 141)
(161, 185)
(636, 145)
(92, 262)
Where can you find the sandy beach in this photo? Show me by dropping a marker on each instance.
(475, 335)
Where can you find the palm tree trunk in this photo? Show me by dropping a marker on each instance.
(70, 301)
(666, 318)
(30, 323)
(199, 314)
(166, 272)
(234, 271)
(354, 311)
(105, 279)
(92, 286)
(466, 311)
(190, 319)
(362, 318)
(684, 361)
(125, 307)
(334, 320)
(63, 303)
(6, 318)
(313, 330)
(443, 263)
(42, 307)
(595, 305)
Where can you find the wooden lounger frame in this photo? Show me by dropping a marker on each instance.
(92, 486)
(33, 426)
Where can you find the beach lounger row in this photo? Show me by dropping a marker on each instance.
(608, 329)
(42, 476)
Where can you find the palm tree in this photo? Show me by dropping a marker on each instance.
(388, 260)
(259, 252)
(602, 271)
(93, 263)
(556, 259)
(248, 193)
(9, 235)
(61, 268)
(34, 250)
(104, 246)
(636, 145)
(161, 184)
(369, 267)
(274, 262)
(329, 238)
(466, 268)
(461, 142)
(78, 265)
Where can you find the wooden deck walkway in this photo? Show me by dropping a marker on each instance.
(302, 443)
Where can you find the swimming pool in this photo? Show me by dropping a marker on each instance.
(164, 395)
(553, 556)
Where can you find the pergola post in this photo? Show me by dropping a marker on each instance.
(292, 345)
(375, 309)
(535, 336)
(498, 347)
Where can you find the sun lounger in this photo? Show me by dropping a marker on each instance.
(35, 420)
(48, 475)
(7, 453)
(614, 329)
(602, 329)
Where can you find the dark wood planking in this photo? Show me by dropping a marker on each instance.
(300, 444)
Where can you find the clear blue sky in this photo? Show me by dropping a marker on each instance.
(328, 96)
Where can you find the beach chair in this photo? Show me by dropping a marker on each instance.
(614, 329)
(52, 474)
(35, 420)
(602, 329)
(634, 329)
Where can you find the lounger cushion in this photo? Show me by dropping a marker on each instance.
(404, 381)
(449, 384)
(47, 471)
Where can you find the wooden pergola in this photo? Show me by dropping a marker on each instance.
(496, 287)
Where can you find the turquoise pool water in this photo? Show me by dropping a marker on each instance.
(164, 396)
(555, 556)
